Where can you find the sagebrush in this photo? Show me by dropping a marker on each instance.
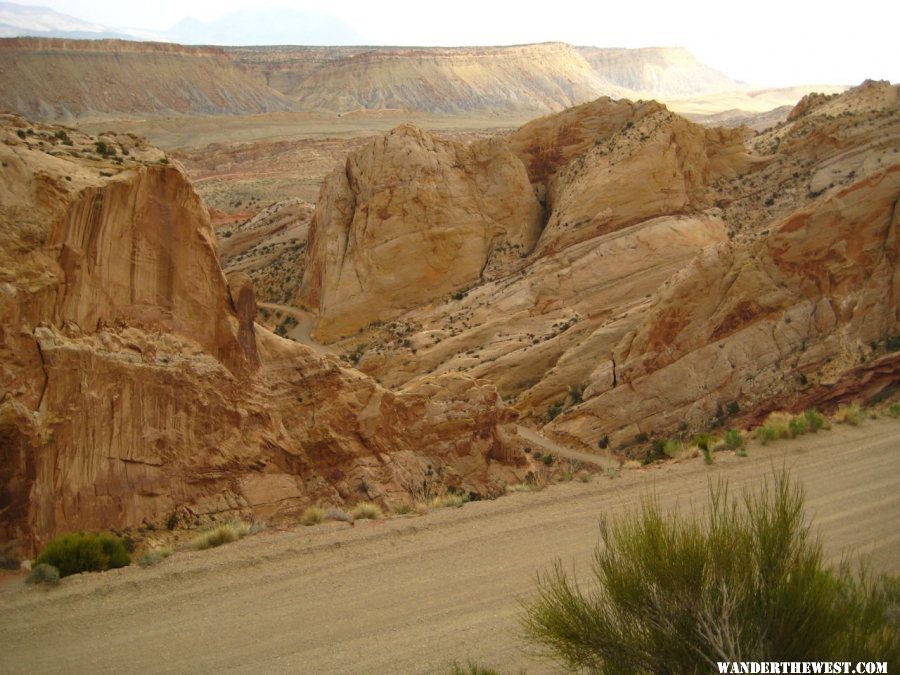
(745, 581)
(84, 552)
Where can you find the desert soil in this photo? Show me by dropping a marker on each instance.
(414, 593)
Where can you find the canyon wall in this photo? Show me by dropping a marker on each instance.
(136, 387)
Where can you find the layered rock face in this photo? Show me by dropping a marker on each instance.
(135, 384)
(526, 79)
(44, 78)
(410, 218)
(682, 274)
(665, 72)
(532, 79)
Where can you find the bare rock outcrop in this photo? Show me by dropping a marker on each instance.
(769, 325)
(684, 276)
(410, 218)
(136, 389)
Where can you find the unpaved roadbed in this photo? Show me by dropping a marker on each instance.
(412, 594)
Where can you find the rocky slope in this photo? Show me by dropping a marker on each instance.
(136, 388)
(528, 78)
(682, 275)
(535, 79)
(48, 79)
(661, 72)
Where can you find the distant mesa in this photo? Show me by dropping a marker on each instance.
(54, 79)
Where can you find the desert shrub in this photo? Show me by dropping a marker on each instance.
(734, 440)
(765, 434)
(798, 426)
(313, 515)
(585, 477)
(672, 448)
(655, 452)
(554, 411)
(339, 515)
(707, 456)
(703, 441)
(154, 557)
(21, 134)
(547, 459)
(449, 501)
(850, 414)
(43, 573)
(402, 508)
(744, 581)
(894, 410)
(84, 552)
(775, 427)
(222, 534)
(366, 510)
(815, 420)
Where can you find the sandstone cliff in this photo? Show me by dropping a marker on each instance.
(409, 218)
(48, 79)
(136, 387)
(682, 274)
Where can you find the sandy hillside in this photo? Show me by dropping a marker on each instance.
(411, 594)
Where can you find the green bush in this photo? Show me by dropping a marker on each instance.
(734, 440)
(703, 441)
(815, 420)
(745, 581)
(84, 552)
(798, 426)
(43, 574)
(894, 410)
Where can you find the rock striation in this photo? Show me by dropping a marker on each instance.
(136, 388)
(683, 276)
(58, 79)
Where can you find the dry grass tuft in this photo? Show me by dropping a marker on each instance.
(366, 510)
(223, 534)
(313, 515)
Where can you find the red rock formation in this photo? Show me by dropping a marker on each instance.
(135, 385)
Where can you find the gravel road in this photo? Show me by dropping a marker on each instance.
(414, 593)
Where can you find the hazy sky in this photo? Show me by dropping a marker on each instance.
(763, 41)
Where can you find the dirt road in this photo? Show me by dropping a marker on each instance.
(306, 322)
(411, 594)
(533, 437)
